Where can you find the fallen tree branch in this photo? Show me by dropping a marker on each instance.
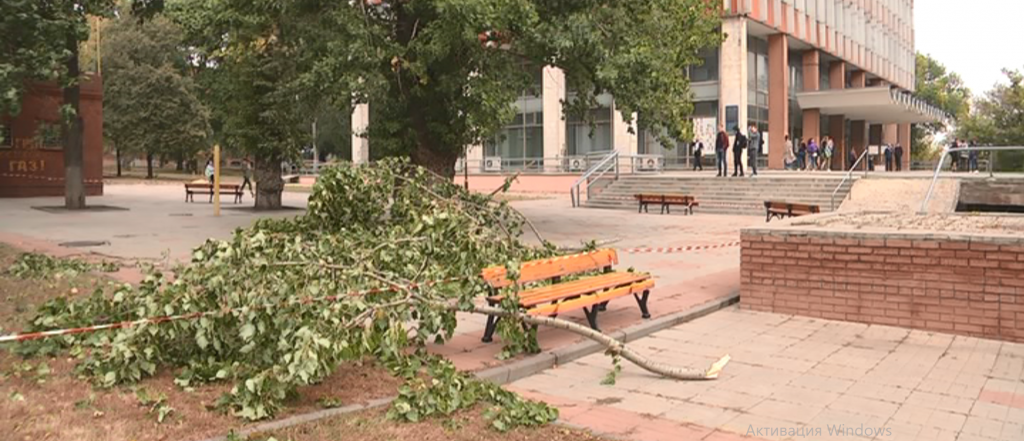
(505, 185)
(614, 346)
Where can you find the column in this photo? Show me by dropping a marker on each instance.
(778, 98)
(904, 140)
(812, 83)
(624, 134)
(552, 95)
(732, 76)
(837, 123)
(475, 158)
(360, 143)
(858, 79)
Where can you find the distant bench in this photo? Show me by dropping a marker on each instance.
(666, 201)
(786, 209)
(231, 189)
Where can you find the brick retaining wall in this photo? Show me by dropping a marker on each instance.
(953, 283)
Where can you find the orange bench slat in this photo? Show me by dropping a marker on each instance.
(537, 270)
(591, 299)
(575, 288)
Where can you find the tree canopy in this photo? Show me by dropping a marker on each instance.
(943, 89)
(150, 103)
(998, 119)
(438, 74)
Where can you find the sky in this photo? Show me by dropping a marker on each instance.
(974, 38)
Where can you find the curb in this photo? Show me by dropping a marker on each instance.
(517, 370)
(537, 363)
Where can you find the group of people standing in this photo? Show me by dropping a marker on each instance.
(752, 143)
(893, 153)
(964, 161)
(809, 155)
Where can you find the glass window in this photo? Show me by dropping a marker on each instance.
(583, 137)
(48, 135)
(6, 138)
(521, 143)
(708, 70)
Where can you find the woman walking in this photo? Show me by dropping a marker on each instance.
(812, 151)
(828, 149)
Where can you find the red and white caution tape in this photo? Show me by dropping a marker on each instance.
(191, 316)
(46, 178)
(684, 249)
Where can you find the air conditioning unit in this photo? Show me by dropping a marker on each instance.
(492, 164)
(576, 164)
(648, 164)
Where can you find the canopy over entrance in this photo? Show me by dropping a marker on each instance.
(877, 105)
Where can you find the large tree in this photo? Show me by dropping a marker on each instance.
(150, 103)
(943, 89)
(438, 74)
(998, 119)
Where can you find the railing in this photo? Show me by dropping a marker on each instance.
(942, 160)
(849, 175)
(608, 163)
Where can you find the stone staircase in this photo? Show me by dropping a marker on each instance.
(744, 196)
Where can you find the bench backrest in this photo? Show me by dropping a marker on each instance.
(664, 197)
(544, 269)
(786, 206)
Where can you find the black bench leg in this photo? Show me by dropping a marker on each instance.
(642, 301)
(639, 207)
(603, 306)
(592, 316)
(492, 324)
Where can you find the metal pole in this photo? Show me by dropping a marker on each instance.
(465, 167)
(935, 178)
(316, 156)
(216, 179)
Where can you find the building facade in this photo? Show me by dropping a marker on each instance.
(31, 147)
(803, 68)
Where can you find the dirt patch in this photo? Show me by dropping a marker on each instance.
(960, 223)
(463, 426)
(888, 194)
(45, 398)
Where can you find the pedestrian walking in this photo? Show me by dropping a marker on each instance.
(721, 148)
(209, 171)
(955, 155)
(698, 154)
(738, 145)
(753, 149)
(789, 155)
(247, 177)
(812, 153)
(801, 156)
(851, 158)
(828, 149)
(973, 155)
(888, 157)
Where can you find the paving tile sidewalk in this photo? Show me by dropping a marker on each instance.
(798, 376)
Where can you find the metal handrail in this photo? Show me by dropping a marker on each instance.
(574, 191)
(942, 160)
(849, 175)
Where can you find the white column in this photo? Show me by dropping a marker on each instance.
(360, 143)
(622, 140)
(732, 74)
(553, 93)
(475, 158)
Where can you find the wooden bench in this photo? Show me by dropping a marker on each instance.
(591, 293)
(666, 201)
(785, 209)
(196, 188)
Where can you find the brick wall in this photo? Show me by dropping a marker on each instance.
(960, 284)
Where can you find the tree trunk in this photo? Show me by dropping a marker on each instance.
(180, 163)
(149, 165)
(74, 184)
(269, 184)
(117, 154)
(438, 160)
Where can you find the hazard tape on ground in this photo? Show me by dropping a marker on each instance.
(195, 315)
(683, 249)
(46, 178)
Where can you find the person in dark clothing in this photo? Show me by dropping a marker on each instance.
(698, 154)
(851, 159)
(738, 146)
(973, 157)
(801, 155)
(899, 157)
(721, 147)
(888, 158)
(754, 149)
(247, 176)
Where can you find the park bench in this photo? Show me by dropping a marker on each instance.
(785, 209)
(666, 201)
(590, 292)
(204, 188)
